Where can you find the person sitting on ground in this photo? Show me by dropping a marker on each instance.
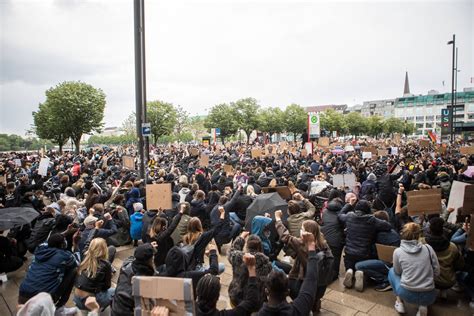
(239, 275)
(296, 215)
(9, 261)
(160, 232)
(449, 258)
(141, 264)
(415, 267)
(296, 275)
(209, 287)
(374, 269)
(136, 223)
(97, 228)
(53, 271)
(94, 276)
(333, 231)
(182, 228)
(277, 286)
(361, 232)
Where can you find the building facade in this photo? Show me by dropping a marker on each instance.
(425, 111)
(382, 108)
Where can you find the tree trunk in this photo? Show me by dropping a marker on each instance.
(222, 139)
(60, 148)
(248, 137)
(77, 143)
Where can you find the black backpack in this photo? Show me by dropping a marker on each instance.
(182, 257)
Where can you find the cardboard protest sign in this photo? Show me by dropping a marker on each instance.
(382, 152)
(461, 195)
(396, 138)
(344, 180)
(43, 167)
(467, 150)
(372, 149)
(349, 148)
(468, 204)
(17, 162)
(323, 141)
(385, 253)
(128, 162)
(158, 196)
(284, 192)
(366, 155)
(194, 152)
(304, 153)
(228, 169)
(204, 160)
(3, 179)
(176, 294)
(270, 150)
(309, 148)
(256, 152)
(424, 201)
(424, 143)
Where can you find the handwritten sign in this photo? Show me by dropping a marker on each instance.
(424, 202)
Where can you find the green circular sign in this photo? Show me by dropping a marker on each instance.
(314, 119)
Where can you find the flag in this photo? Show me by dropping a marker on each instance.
(432, 136)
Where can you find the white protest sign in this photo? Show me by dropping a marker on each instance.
(17, 162)
(43, 167)
(366, 155)
(394, 151)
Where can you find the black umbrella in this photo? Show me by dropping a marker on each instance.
(265, 203)
(16, 216)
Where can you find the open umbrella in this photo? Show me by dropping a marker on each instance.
(16, 216)
(265, 203)
(337, 150)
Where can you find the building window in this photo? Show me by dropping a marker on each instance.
(409, 118)
(470, 116)
(429, 125)
(419, 125)
(420, 118)
(429, 118)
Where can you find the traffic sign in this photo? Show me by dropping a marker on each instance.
(146, 129)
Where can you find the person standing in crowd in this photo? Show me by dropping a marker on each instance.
(136, 223)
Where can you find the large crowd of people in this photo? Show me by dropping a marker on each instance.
(89, 204)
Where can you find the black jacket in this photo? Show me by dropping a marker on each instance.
(100, 283)
(331, 227)
(303, 303)
(123, 302)
(361, 231)
(164, 241)
(246, 307)
(147, 221)
(40, 232)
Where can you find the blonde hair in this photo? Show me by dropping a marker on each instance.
(251, 191)
(194, 230)
(411, 231)
(97, 251)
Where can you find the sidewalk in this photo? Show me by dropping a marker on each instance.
(336, 301)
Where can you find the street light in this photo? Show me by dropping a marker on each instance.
(452, 42)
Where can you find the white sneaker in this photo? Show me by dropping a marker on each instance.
(348, 279)
(399, 307)
(422, 311)
(359, 281)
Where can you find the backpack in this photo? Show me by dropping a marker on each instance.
(182, 255)
(40, 233)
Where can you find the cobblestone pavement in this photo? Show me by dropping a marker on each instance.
(336, 301)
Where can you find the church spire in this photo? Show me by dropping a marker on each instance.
(406, 89)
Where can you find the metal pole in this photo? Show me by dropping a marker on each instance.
(138, 29)
(455, 91)
(146, 139)
(452, 89)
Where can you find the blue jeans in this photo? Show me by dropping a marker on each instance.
(103, 299)
(417, 298)
(374, 269)
(235, 218)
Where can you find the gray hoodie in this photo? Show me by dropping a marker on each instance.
(412, 261)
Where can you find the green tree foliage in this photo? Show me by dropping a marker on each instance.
(295, 119)
(356, 124)
(393, 125)
(271, 121)
(110, 140)
(409, 128)
(163, 119)
(333, 121)
(73, 109)
(17, 143)
(247, 117)
(374, 126)
(225, 117)
(195, 126)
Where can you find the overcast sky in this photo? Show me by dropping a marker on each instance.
(202, 53)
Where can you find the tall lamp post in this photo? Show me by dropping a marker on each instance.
(451, 116)
(140, 88)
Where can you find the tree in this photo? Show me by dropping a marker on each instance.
(129, 126)
(393, 125)
(271, 121)
(196, 127)
(295, 119)
(409, 128)
(356, 123)
(225, 117)
(49, 127)
(374, 126)
(333, 121)
(163, 119)
(182, 119)
(247, 117)
(74, 108)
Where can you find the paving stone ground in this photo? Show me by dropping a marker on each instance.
(336, 301)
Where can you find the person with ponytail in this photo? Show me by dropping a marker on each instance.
(94, 276)
(297, 272)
